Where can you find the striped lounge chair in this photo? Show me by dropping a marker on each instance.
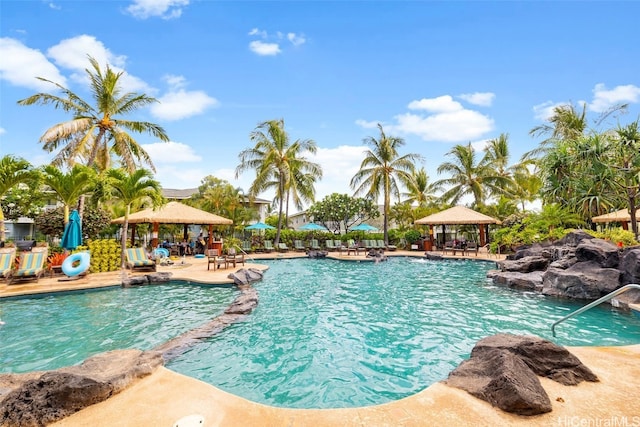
(32, 265)
(7, 257)
(137, 259)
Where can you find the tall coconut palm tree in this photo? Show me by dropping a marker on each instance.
(129, 189)
(69, 186)
(470, 176)
(383, 170)
(279, 165)
(97, 132)
(420, 190)
(13, 171)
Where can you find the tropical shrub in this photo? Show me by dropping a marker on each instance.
(105, 255)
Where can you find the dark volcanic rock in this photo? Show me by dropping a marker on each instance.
(515, 280)
(503, 370)
(630, 266)
(583, 280)
(312, 253)
(526, 264)
(246, 276)
(60, 393)
(606, 254)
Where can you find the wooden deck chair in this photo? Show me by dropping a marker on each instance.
(32, 265)
(234, 257)
(214, 257)
(137, 259)
(7, 257)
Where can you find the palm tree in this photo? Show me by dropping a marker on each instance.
(131, 189)
(13, 171)
(420, 190)
(382, 170)
(279, 165)
(470, 177)
(96, 132)
(627, 163)
(69, 186)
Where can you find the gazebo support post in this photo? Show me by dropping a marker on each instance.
(154, 235)
(483, 237)
(210, 239)
(133, 235)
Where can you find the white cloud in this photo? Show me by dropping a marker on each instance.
(450, 121)
(258, 32)
(165, 9)
(603, 99)
(21, 65)
(3, 131)
(73, 54)
(338, 166)
(296, 39)
(171, 152)
(367, 124)
(484, 99)
(264, 49)
(441, 104)
(180, 104)
(54, 6)
(545, 110)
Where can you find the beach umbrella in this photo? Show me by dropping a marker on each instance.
(312, 226)
(364, 227)
(259, 226)
(72, 235)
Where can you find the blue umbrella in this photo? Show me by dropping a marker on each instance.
(364, 227)
(72, 236)
(312, 226)
(259, 226)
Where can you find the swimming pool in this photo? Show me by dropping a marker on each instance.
(325, 334)
(332, 334)
(54, 330)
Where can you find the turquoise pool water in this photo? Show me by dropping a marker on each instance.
(331, 334)
(48, 332)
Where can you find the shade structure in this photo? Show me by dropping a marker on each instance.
(363, 227)
(622, 215)
(259, 226)
(72, 235)
(174, 213)
(312, 226)
(457, 215)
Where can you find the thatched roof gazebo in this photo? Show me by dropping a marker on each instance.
(174, 213)
(459, 215)
(622, 216)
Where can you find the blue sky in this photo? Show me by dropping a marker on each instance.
(434, 73)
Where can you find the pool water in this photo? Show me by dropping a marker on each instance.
(56, 330)
(332, 334)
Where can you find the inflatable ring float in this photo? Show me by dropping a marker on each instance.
(81, 259)
(161, 252)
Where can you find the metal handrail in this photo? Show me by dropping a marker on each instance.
(607, 297)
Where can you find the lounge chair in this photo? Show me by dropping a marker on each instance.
(214, 257)
(387, 247)
(315, 245)
(234, 257)
(32, 265)
(268, 246)
(330, 245)
(282, 247)
(246, 246)
(7, 257)
(137, 259)
(298, 246)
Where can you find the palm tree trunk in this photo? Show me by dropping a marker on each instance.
(280, 212)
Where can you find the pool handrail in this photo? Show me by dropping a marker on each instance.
(607, 297)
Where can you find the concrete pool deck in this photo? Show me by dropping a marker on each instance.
(165, 396)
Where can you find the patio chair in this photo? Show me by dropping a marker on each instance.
(7, 257)
(32, 265)
(330, 245)
(282, 247)
(472, 247)
(234, 257)
(246, 246)
(298, 246)
(268, 246)
(315, 245)
(137, 259)
(214, 257)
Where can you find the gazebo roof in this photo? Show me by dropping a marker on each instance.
(618, 216)
(174, 213)
(457, 215)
